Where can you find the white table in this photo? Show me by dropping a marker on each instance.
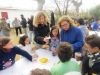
(24, 66)
(94, 32)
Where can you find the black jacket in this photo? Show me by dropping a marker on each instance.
(52, 21)
(31, 27)
(40, 32)
(94, 61)
(24, 23)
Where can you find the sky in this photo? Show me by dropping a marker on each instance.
(32, 4)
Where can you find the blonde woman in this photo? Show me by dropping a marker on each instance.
(70, 33)
(41, 29)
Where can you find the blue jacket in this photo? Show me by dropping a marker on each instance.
(95, 26)
(54, 42)
(8, 58)
(73, 36)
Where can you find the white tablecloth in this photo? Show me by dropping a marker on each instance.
(94, 32)
(24, 66)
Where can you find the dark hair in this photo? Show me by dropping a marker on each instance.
(4, 41)
(64, 51)
(54, 27)
(22, 40)
(40, 72)
(81, 21)
(93, 40)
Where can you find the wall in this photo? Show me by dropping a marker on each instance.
(12, 13)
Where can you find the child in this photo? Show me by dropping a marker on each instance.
(8, 53)
(66, 64)
(91, 61)
(25, 44)
(40, 72)
(54, 41)
(24, 40)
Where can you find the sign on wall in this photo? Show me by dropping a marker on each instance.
(4, 15)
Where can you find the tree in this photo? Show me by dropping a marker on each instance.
(40, 4)
(63, 5)
(77, 5)
(95, 12)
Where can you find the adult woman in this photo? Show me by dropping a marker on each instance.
(41, 29)
(70, 33)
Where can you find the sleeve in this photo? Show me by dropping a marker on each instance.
(0, 62)
(61, 35)
(79, 41)
(0, 26)
(48, 29)
(85, 65)
(53, 71)
(95, 27)
(96, 67)
(23, 53)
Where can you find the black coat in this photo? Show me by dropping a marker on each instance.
(52, 20)
(40, 32)
(31, 27)
(24, 23)
(89, 70)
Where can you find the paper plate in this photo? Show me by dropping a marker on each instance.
(43, 60)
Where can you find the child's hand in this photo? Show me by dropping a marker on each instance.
(45, 46)
(34, 47)
(78, 56)
(34, 57)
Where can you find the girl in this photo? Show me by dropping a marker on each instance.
(24, 40)
(54, 41)
(25, 44)
(8, 53)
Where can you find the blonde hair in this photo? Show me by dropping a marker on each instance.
(40, 72)
(65, 18)
(37, 17)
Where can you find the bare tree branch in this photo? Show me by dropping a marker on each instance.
(64, 7)
(40, 4)
(77, 5)
(58, 7)
(67, 5)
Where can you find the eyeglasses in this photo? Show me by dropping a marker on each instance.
(63, 25)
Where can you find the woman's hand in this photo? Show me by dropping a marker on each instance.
(46, 39)
(45, 46)
(34, 47)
